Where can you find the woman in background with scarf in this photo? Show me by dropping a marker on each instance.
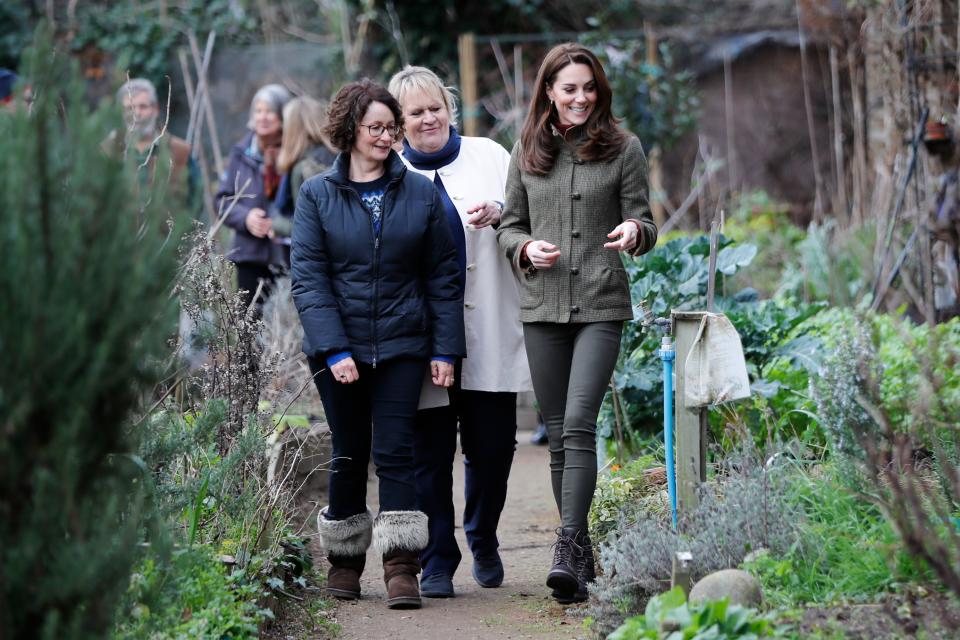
(247, 189)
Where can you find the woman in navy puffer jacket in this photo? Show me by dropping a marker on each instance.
(375, 280)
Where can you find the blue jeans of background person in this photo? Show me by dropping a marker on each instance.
(375, 414)
(488, 430)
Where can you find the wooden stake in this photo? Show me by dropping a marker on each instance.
(811, 127)
(860, 172)
(712, 268)
(728, 118)
(201, 158)
(840, 168)
(201, 66)
(468, 82)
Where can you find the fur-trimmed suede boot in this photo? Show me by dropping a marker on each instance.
(346, 542)
(399, 536)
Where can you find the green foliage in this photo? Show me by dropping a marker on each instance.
(743, 510)
(85, 280)
(832, 265)
(621, 488)
(670, 616)
(847, 550)
(191, 596)
(675, 276)
(756, 219)
(672, 276)
(145, 43)
(14, 33)
(904, 357)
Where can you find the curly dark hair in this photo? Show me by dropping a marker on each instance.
(349, 106)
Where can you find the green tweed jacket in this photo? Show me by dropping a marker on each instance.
(574, 207)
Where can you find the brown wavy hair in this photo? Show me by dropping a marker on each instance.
(604, 138)
(350, 105)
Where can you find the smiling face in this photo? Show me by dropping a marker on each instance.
(266, 121)
(370, 147)
(574, 94)
(426, 121)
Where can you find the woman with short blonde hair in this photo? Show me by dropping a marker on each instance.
(470, 174)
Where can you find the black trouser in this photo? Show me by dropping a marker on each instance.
(488, 430)
(376, 413)
(249, 276)
(571, 365)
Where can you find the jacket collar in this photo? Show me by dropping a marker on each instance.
(339, 173)
(243, 147)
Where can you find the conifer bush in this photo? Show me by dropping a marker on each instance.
(86, 269)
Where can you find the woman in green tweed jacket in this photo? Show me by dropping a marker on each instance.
(576, 197)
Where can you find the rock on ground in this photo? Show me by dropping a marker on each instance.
(739, 586)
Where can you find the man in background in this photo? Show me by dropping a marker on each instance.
(153, 150)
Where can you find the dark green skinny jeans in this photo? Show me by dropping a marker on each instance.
(571, 366)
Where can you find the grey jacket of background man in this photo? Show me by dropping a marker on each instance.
(574, 207)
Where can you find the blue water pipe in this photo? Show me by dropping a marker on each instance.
(668, 355)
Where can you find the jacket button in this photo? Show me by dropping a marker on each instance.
(575, 270)
(575, 309)
(577, 161)
(575, 234)
(575, 195)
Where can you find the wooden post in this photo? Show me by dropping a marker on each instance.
(680, 574)
(690, 426)
(468, 82)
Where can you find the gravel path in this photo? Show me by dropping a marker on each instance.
(521, 608)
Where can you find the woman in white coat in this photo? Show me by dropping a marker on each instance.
(470, 174)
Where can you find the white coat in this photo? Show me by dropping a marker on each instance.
(496, 359)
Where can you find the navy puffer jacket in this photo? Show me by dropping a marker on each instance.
(380, 298)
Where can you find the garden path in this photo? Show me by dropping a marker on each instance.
(520, 608)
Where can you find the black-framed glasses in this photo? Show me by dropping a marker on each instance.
(376, 130)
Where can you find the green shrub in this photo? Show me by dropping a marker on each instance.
(618, 493)
(191, 596)
(85, 281)
(846, 549)
(779, 355)
(744, 509)
(669, 616)
(757, 219)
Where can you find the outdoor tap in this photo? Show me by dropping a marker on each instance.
(648, 320)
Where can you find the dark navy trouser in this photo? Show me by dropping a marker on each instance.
(376, 413)
(488, 431)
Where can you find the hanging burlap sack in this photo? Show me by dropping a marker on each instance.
(715, 370)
